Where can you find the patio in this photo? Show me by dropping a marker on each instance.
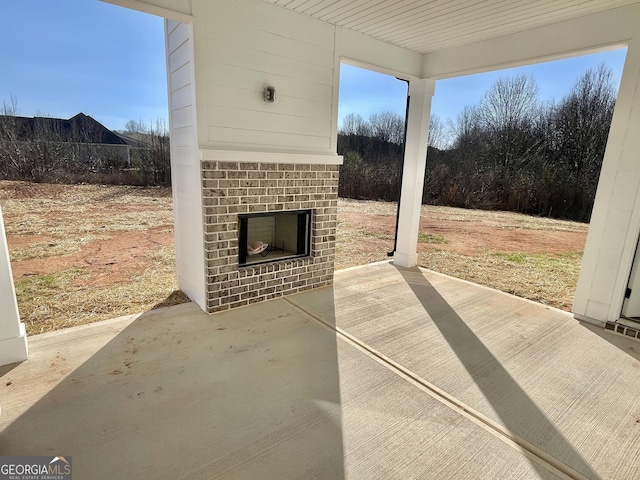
(390, 373)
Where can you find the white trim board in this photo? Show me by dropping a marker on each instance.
(159, 10)
(213, 155)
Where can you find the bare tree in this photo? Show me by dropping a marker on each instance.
(44, 149)
(160, 152)
(354, 124)
(9, 146)
(581, 122)
(583, 117)
(511, 151)
(387, 126)
(151, 158)
(509, 102)
(505, 112)
(437, 133)
(10, 107)
(133, 126)
(466, 127)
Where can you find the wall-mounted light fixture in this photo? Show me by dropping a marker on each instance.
(270, 94)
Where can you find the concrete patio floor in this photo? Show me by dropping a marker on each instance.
(389, 374)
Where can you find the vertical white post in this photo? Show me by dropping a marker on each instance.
(415, 161)
(186, 182)
(13, 338)
(615, 220)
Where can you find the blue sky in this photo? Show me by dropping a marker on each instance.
(61, 57)
(366, 92)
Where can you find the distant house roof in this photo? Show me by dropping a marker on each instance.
(136, 139)
(78, 129)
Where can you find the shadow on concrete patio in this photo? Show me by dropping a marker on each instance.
(176, 393)
(519, 414)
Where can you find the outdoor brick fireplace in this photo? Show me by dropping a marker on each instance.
(291, 208)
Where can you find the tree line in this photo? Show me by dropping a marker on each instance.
(44, 150)
(511, 151)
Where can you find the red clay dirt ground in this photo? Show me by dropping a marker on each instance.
(465, 232)
(116, 253)
(107, 262)
(119, 236)
(473, 237)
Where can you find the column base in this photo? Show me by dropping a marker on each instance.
(406, 260)
(15, 349)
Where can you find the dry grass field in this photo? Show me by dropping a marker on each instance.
(82, 253)
(532, 257)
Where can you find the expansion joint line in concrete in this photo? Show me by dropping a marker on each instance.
(518, 443)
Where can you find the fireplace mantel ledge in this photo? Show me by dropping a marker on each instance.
(213, 155)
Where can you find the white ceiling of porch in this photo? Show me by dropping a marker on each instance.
(427, 26)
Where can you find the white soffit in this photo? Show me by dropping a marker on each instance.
(428, 26)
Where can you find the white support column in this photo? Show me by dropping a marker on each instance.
(186, 182)
(13, 338)
(415, 161)
(615, 221)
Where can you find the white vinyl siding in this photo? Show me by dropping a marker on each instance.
(181, 88)
(185, 162)
(247, 46)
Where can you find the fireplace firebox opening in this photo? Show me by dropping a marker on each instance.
(273, 236)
